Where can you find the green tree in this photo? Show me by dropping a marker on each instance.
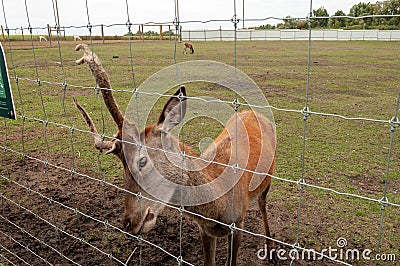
(302, 24)
(338, 23)
(392, 8)
(289, 23)
(320, 22)
(359, 10)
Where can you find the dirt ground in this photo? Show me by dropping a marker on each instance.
(28, 219)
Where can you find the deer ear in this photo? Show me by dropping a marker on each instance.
(174, 111)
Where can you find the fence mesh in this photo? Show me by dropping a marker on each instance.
(61, 202)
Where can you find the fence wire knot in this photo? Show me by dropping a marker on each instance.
(89, 26)
(183, 155)
(181, 210)
(232, 227)
(128, 24)
(235, 168)
(176, 22)
(394, 122)
(306, 112)
(139, 195)
(301, 183)
(236, 104)
(136, 93)
(384, 202)
(235, 20)
(179, 260)
(181, 97)
(102, 137)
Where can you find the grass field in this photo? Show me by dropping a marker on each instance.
(352, 79)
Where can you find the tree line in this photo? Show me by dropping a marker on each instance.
(390, 7)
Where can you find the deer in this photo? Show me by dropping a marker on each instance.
(42, 39)
(142, 154)
(188, 45)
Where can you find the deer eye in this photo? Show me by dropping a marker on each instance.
(142, 162)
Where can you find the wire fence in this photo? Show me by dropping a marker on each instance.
(77, 210)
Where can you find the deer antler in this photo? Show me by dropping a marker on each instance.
(98, 142)
(102, 82)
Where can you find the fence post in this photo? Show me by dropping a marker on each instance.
(220, 33)
(50, 34)
(2, 31)
(22, 32)
(102, 32)
(205, 36)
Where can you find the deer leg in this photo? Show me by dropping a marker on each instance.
(234, 240)
(262, 204)
(209, 243)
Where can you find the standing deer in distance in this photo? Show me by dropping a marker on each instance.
(247, 135)
(188, 45)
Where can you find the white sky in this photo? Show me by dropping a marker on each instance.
(74, 12)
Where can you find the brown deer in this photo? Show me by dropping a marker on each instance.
(247, 141)
(188, 45)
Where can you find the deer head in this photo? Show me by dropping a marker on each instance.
(139, 152)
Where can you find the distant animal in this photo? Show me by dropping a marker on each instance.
(77, 38)
(188, 45)
(42, 39)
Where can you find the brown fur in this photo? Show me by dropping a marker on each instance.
(255, 153)
(188, 45)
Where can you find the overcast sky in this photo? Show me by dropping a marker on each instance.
(74, 12)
